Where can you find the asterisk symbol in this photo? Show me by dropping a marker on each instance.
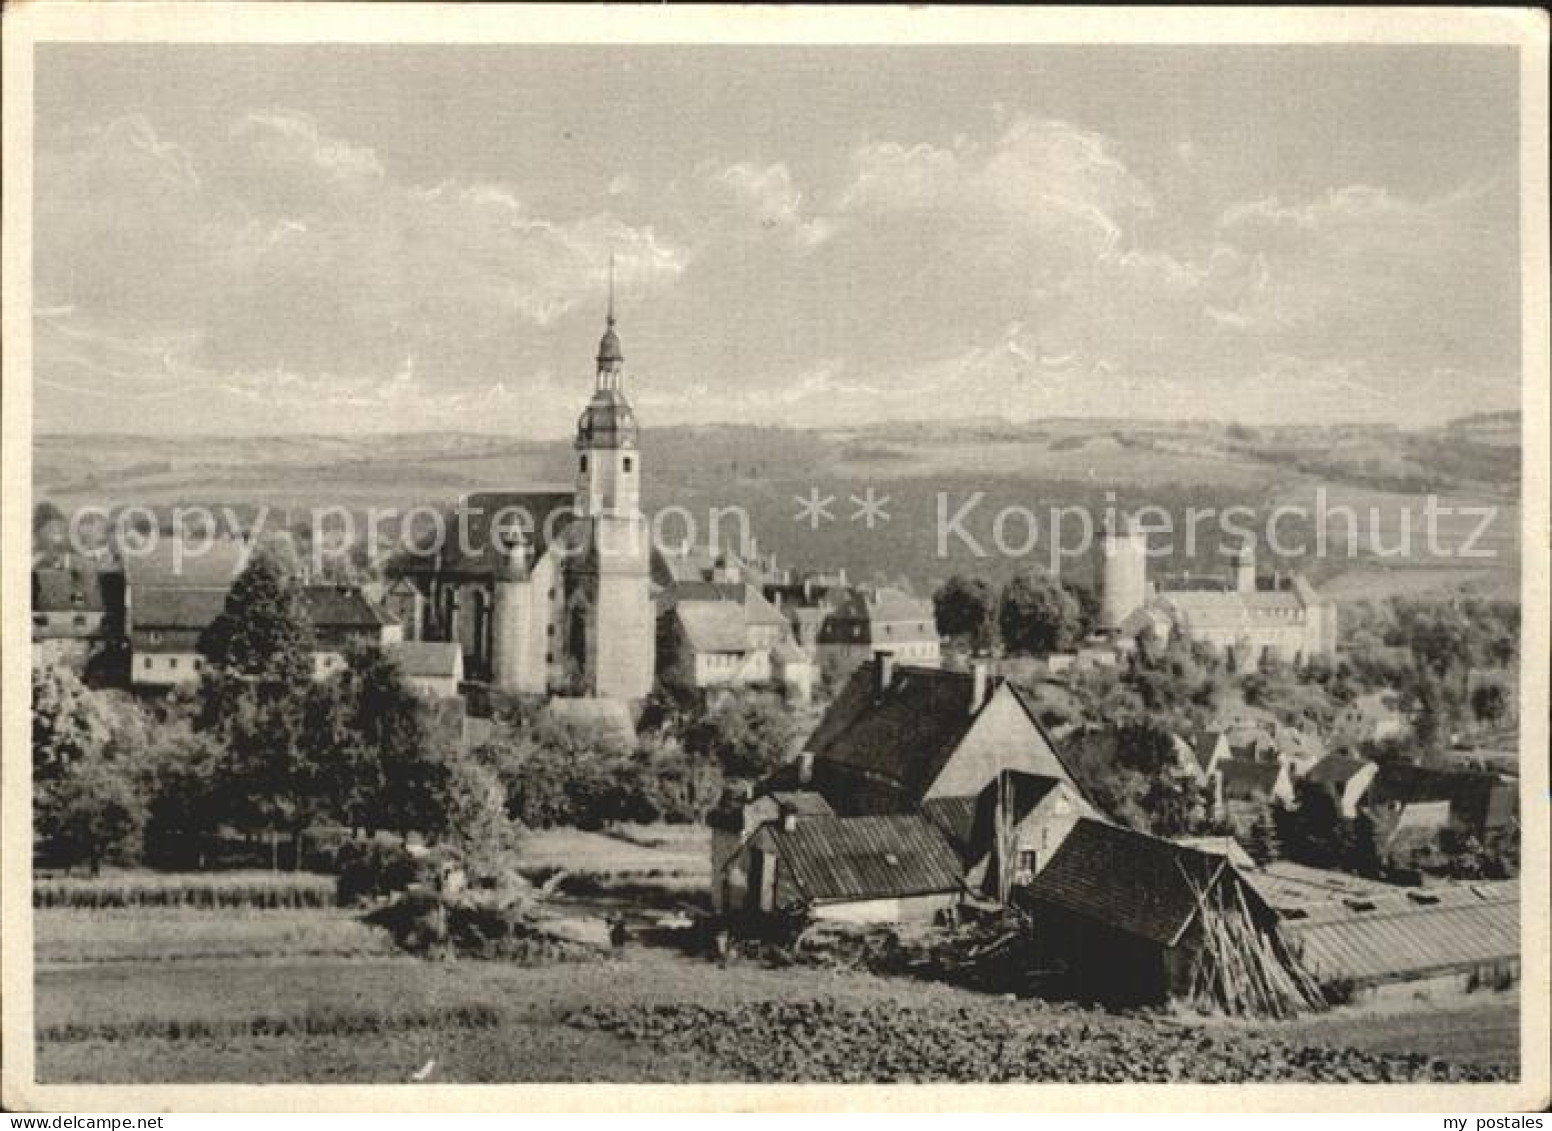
(870, 508)
(814, 509)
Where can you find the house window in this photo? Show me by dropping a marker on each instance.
(146, 663)
(549, 630)
(1026, 861)
(40, 620)
(173, 663)
(198, 664)
(549, 657)
(79, 620)
(627, 465)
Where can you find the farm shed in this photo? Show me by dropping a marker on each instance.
(732, 824)
(1011, 830)
(1135, 920)
(1445, 936)
(888, 869)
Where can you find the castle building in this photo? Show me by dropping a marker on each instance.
(550, 592)
(1281, 617)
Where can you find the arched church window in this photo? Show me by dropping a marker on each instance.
(584, 461)
(627, 465)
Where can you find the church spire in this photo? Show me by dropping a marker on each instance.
(610, 357)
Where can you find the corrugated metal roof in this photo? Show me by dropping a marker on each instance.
(1403, 936)
(852, 858)
(1130, 881)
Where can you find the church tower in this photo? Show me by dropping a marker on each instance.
(610, 632)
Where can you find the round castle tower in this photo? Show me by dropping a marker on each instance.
(1123, 585)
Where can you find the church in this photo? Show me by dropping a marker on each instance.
(549, 592)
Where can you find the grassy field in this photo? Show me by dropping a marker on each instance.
(156, 994)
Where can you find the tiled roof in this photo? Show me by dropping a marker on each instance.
(470, 548)
(67, 590)
(713, 626)
(1481, 801)
(905, 735)
(882, 616)
(430, 659)
(334, 606)
(1335, 770)
(801, 802)
(1204, 745)
(176, 607)
(1409, 934)
(1244, 780)
(835, 859)
(1204, 608)
(1135, 883)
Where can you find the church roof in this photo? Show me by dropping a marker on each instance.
(608, 421)
(470, 546)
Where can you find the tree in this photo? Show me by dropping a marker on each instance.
(97, 814)
(392, 746)
(470, 805)
(747, 734)
(1489, 702)
(965, 608)
(185, 772)
(69, 722)
(262, 633)
(1036, 615)
(1316, 834)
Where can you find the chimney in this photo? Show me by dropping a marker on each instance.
(980, 684)
(883, 671)
(805, 767)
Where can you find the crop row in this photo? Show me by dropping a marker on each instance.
(311, 1024)
(282, 892)
(821, 1042)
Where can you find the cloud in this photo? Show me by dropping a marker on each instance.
(770, 198)
(283, 248)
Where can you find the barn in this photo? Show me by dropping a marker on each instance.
(1130, 919)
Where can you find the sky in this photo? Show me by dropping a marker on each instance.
(253, 240)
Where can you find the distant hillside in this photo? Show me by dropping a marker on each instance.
(921, 467)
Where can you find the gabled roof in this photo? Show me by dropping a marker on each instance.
(74, 589)
(836, 859)
(1135, 883)
(1205, 744)
(1244, 780)
(907, 733)
(427, 659)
